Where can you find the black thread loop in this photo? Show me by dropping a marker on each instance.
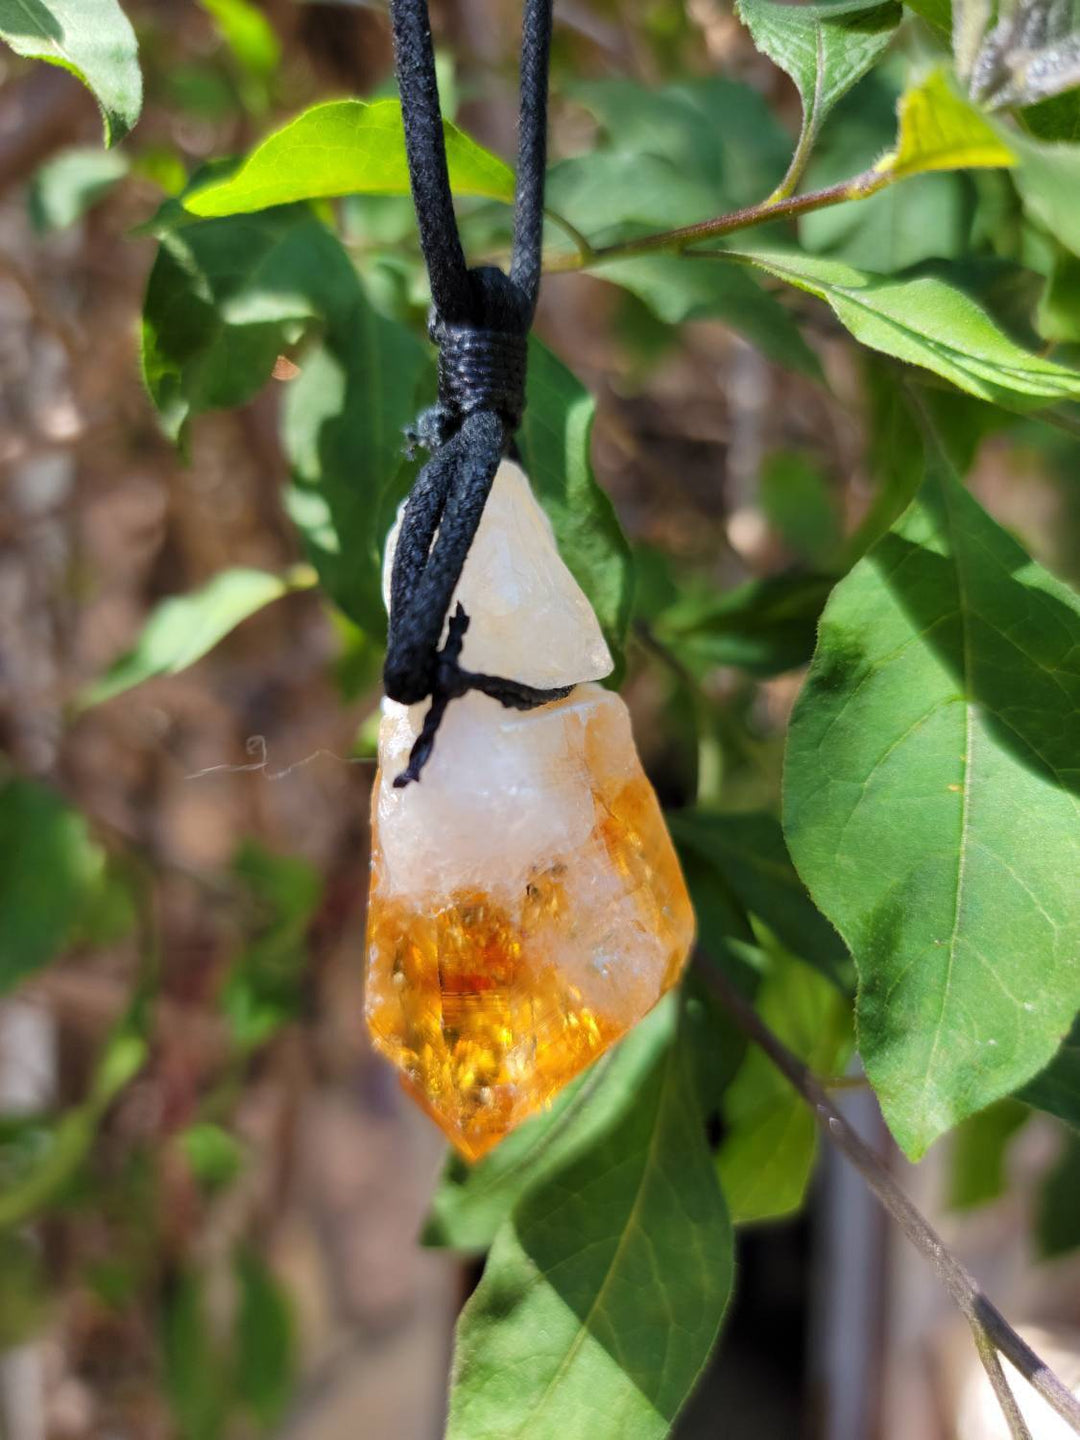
(481, 320)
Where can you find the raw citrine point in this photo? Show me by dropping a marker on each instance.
(527, 907)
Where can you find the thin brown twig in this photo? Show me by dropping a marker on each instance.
(856, 188)
(991, 1331)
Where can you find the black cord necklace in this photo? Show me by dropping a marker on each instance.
(480, 321)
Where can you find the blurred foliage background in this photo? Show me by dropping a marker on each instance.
(210, 1190)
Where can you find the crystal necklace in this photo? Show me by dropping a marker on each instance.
(526, 906)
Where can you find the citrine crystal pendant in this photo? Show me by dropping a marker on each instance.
(527, 907)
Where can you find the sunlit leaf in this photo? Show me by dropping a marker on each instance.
(345, 147)
(928, 322)
(825, 48)
(931, 806)
(604, 1292)
(941, 131)
(472, 1201)
(93, 39)
(184, 628)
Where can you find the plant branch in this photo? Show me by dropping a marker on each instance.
(992, 1333)
(857, 188)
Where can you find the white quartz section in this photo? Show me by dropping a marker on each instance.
(529, 618)
(505, 789)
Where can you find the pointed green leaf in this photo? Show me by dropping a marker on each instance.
(746, 851)
(472, 1201)
(555, 440)
(931, 806)
(767, 1156)
(93, 39)
(939, 130)
(345, 147)
(825, 48)
(925, 321)
(184, 628)
(764, 626)
(604, 1292)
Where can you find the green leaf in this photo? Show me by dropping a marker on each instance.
(248, 34)
(225, 297)
(799, 505)
(50, 871)
(72, 182)
(264, 986)
(1057, 1223)
(977, 1170)
(93, 39)
(925, 321)
(937, 12)
(715, 132)
(930, 806)
(345, 147)
(1059, 307)
(555, 442)
(604, 1292)
(747, 854)
(265, 1341)
(928, 216)
(613, 194)
(941, 131)
(184, 628)
(472, 1201)
(72, 1137)
(343, 428)
(215, 1156)
(825, 48)
(1057, 1088)
(678, 289)
(195, 1376)
(764, 626)
(1048, 178)
(768, 1152)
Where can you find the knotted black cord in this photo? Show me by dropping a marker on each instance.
(480, 321)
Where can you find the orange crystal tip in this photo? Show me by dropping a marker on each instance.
(489, 1001)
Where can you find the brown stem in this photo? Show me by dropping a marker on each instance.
(991, 1330)
(854, 189)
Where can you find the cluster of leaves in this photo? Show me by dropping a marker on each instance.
(924, 878)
